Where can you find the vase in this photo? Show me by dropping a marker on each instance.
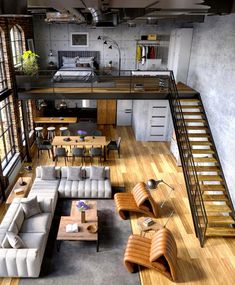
(83, 216)
(82, 139)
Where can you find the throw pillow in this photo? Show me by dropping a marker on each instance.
(30, 207)
(5, 243)
(14, 240)
(97, 173)
(74, 173)
(48, 172)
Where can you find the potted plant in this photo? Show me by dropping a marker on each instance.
(29, 66)
(82, 134)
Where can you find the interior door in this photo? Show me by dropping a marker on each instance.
(158, 120)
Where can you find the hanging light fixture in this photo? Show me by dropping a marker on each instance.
(99, 38)
(63, 104)
(43, 104)
(110, 47)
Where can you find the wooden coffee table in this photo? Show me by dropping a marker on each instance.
(75, 217)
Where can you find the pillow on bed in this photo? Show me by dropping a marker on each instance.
(86, 60)
(69, 65)
(83, 65)
(69, 61)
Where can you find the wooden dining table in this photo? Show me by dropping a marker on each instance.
(75, 141)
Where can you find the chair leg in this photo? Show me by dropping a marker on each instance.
(119, 152)
(49, 153)
(73, 159)
(56, 159)
(38, 153)
(65, 159)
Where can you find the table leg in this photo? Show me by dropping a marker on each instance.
(104, 153)
(58, 244)
(97, 245)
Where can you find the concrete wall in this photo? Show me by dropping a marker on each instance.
(126, 38)
(212, 73)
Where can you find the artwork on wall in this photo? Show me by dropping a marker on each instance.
(30, 44)
(79, 40)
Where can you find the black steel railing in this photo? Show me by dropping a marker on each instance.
(190, 174)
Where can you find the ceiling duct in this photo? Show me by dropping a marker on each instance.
(103, 19)
(63, 18)
(13, 8)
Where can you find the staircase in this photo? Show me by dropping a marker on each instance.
(210, 202)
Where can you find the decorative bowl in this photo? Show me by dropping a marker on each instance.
(67, 139)
(92, 228)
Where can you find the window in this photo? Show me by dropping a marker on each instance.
(7, 137)
(3, 77)
(29, 119)
(16, 35)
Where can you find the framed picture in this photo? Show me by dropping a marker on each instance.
(79, 40)
(30, 44)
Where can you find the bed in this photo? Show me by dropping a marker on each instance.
(77, 66)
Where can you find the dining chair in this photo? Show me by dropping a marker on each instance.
(43, 145)
(78, 152)
(96, 152)
(114, 145)
(61, 152)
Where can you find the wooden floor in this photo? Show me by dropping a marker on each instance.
(213, 264)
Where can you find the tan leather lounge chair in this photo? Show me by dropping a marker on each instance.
(158, 253)
(139, 200)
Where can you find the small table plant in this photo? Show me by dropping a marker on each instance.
(82, 134)
(82, 207)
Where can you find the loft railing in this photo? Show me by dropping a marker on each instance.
(190, 174)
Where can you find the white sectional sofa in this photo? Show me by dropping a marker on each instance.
(34, 231)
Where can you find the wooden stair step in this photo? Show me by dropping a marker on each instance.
(193, 143)
(209, 178)
(220, 220)
(216, 198)
(190, 100)
(204, 159)
(198, 135)
(220, 231)
(218, 208)
(203, 151)
(194, 120)
(207, 169)
(209, 187)
(190, 107)
(191, 113)
(196, 128)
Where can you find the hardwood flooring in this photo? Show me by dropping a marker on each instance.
(215, 263)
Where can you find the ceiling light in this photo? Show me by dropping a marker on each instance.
(99, 38)
(110, 47)
(105, 43)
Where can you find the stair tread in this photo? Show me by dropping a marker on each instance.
(218, 187)
(200, 143)
(190, 100)
(220, 231)
(211, 198)
(203, 151)
(220, 220)
(209, 178)
(190, 106)
(191, 113)
(196, 128)
(218, 208)
(207, 169)
(204, 159)
(198, 135)
(193, 120)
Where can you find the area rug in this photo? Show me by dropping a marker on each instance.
(78, 262)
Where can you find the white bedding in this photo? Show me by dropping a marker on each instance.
(73, 73)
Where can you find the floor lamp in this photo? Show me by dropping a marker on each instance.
(153, 184)
(112, 43)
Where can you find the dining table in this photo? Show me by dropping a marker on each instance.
(77, 141)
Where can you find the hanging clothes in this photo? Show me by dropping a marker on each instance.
(138, 54)
(143, 55)
(152, 53)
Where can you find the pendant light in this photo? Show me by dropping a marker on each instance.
(63, 104)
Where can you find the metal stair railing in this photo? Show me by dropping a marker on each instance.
(190, 174)
(217, 158)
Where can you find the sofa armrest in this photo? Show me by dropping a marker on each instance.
(46, 205)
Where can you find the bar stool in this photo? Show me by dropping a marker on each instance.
(39, 132)
(50, 133)
(63, 131)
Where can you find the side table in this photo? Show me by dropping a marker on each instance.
(24, 189)
(143, 229)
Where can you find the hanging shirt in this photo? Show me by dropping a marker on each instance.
(143, 55)
(138, 53)
(152, 53)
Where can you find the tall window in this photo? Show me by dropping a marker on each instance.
(29, 119)
(16, 35)
(3, 77)
(7, 138)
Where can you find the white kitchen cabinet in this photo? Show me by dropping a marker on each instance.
(124, 112)
(179, 53)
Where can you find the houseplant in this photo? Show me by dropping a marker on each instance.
(82, 134)
(29, 63)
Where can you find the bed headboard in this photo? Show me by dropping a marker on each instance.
(81, 53)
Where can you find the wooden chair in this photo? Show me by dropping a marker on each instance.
(139, 200)
(158, 253)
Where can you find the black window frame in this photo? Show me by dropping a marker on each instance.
(3, 72)
(16, 39)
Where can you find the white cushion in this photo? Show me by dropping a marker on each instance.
(37, 224)
(30, 207)
(48, 173)
(14, 240)
(74, 173)
(97, 173)
(39, 172)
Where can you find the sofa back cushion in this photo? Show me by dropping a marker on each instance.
(39, 172)
(85, 172)
(48, 173)
(97, 173)
(30, 207)
(106, 172)
(74, 173)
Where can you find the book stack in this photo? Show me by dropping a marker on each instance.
(148, 222)
(19, 191)
(72, 228)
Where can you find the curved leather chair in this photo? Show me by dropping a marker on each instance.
(139, 200)
(158, 253)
